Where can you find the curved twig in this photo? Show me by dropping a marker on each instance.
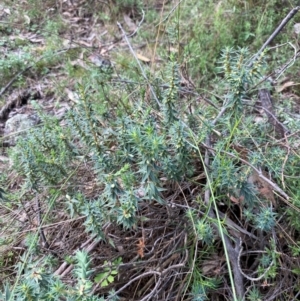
(245, 275)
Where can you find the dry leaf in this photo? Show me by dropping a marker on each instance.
(265, 284)
(236, 200)
(213, 266)
(27, 19)
(4, 159)
(72, 95)
(85, 43)
(142, 58)
(242, 151)
(285, 86)
(267, 193)
(264, 188)
(131, 25)
(141, 247)
(173, 49)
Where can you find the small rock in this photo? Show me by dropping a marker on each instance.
(101, 62)
(297, 28)
(17, 125)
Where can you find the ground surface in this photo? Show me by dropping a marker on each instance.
(52, 53)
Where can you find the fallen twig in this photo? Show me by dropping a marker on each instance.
(152, 272)
(289, 16)
(267, 105)
(64, 269)
(245, 275)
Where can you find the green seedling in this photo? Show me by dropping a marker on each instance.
(110, 271)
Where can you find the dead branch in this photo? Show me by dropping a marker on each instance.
(289, 16)
(267, 105)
